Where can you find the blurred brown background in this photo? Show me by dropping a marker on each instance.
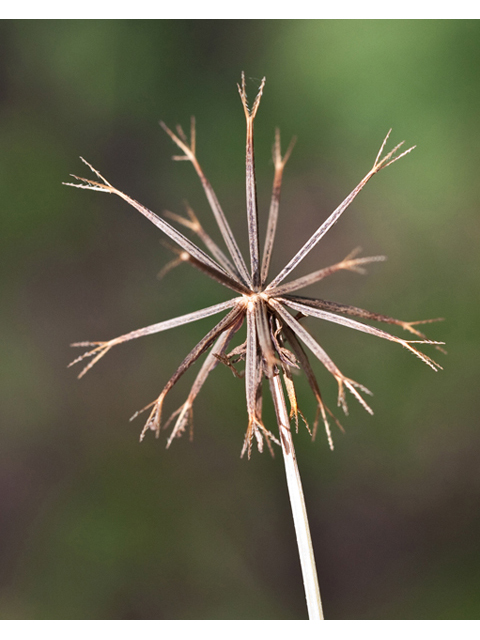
(94, 525)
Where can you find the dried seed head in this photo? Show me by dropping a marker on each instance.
(262, 304)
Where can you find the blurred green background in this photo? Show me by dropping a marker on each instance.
(94, 525)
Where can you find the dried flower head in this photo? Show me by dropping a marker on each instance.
(275, 337)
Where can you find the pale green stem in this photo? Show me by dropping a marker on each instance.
(295, 491)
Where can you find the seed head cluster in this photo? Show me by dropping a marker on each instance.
(276, 341)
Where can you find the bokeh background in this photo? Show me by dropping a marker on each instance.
(94, 525)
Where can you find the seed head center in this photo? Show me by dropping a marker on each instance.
(253, 298)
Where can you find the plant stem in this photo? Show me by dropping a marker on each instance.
(299, 512)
